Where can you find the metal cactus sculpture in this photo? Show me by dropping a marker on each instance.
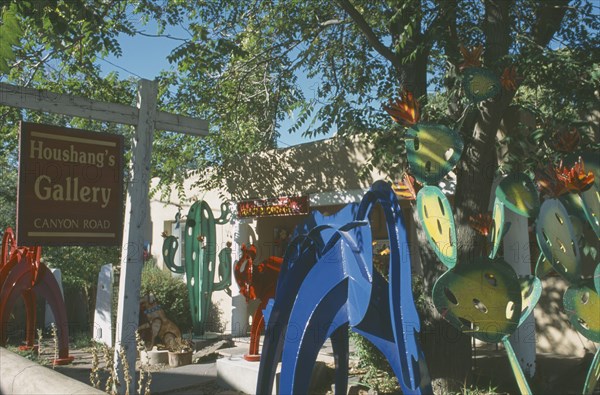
(328, 284)
(484, 298)
(558, 238)
(200, 259)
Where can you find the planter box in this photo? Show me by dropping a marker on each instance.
(154, 357)
(180, 358)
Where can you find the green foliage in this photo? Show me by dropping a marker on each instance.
(80, 265)
(81, 341)
(373, 366)
(474, 390)
(72, 32)
(170, 292)
(244, 66)
(9, 36)
(8, 193)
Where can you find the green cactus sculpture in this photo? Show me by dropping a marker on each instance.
(200, 249)
(558, 241)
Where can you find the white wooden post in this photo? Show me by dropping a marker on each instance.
(239, 306)
(82, 107)
(133, 233)
(517, 254)
(103, 311)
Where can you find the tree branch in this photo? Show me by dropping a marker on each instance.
(369, 34)
(331, 22)
(141, 33)
(497, 31)
(549, 16)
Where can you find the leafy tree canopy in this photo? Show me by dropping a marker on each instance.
(243, 65)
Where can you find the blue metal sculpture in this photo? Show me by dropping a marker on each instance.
(327, 284)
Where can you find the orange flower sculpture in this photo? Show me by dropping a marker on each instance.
(548, 183)
(405, 110)
(482, 223)
(471, 56)
(575, 178)
(557, 181)
(509, 79)
(567, 140)
(406, 189)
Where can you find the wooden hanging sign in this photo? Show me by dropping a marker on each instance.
(70, 186)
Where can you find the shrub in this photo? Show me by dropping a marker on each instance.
(375, 369)
(170, 292)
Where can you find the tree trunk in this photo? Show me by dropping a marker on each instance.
(448, 351)
(475, 175)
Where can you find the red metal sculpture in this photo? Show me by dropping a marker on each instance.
(23, 274)
(256, 282)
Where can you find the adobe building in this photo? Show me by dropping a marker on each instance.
(323, 175)
(326, 175)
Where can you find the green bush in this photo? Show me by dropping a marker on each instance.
(170, 292)
(376, 371)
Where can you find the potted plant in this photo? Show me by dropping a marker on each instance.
(180, 352)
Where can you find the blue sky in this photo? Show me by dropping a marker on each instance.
(145, 57)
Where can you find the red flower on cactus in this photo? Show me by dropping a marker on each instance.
(405, 110)
(575, 178)
(567, 140)
(548, 183)
(482, 223)
(406, 189)
(471, 56)
(510, 79)
(557, 181)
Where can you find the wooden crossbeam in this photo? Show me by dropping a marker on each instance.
(76, 106)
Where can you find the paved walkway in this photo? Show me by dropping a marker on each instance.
(556, 374)
(198, 378)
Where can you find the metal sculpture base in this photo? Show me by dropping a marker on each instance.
(252, 357)
(239, 374)
(63, 361)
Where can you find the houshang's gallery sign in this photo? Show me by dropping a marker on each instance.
(70, 187)
(273, 207)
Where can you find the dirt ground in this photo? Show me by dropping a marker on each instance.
(554, 374)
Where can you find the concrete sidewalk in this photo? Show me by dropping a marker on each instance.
(198, 378)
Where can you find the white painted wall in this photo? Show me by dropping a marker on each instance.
(162, 213)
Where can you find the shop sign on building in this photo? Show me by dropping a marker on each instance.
(280, 206)
(70, 187)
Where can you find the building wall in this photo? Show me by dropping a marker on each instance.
(162, 213)
(328, 172)
(333, 166)
(325, 171)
